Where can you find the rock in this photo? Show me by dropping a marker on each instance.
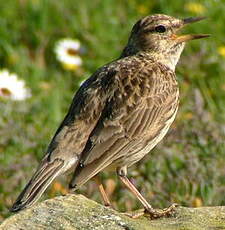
(75, 212)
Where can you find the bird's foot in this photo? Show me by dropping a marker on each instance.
(166, 212)
(152, 213)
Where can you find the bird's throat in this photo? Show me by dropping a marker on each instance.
(170, 57)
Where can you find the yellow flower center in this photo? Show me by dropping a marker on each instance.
(72, 52)
(5, 92)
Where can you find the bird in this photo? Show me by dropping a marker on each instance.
(119, 114)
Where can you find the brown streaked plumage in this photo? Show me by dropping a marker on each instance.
(120, 113)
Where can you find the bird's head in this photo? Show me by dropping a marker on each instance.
(158, 35)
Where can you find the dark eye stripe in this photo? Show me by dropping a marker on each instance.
(150, 30)
(158, 29)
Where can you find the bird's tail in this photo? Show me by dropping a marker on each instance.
(44, 175)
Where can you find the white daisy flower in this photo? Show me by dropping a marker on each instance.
(11, 87)
(67, 52)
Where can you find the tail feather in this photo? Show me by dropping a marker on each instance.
(45, 174)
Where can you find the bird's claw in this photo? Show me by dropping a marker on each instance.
(166, 212)
(135, 214)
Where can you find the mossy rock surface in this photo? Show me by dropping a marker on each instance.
(75, 212)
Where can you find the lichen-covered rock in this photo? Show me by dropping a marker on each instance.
(75, 212)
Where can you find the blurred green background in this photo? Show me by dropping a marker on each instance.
(187, 167)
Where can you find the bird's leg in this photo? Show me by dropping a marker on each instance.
(148, 208)
(102, 192)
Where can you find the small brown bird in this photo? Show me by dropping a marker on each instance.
(120, 113)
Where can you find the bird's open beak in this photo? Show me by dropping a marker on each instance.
(188, 37)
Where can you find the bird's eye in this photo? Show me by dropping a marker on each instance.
(160, 29)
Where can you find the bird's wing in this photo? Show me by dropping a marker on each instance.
(83, 115)
(140, 103)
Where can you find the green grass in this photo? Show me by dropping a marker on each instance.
(186, 167)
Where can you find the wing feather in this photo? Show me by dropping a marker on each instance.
(87, 106)
(130, 118)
